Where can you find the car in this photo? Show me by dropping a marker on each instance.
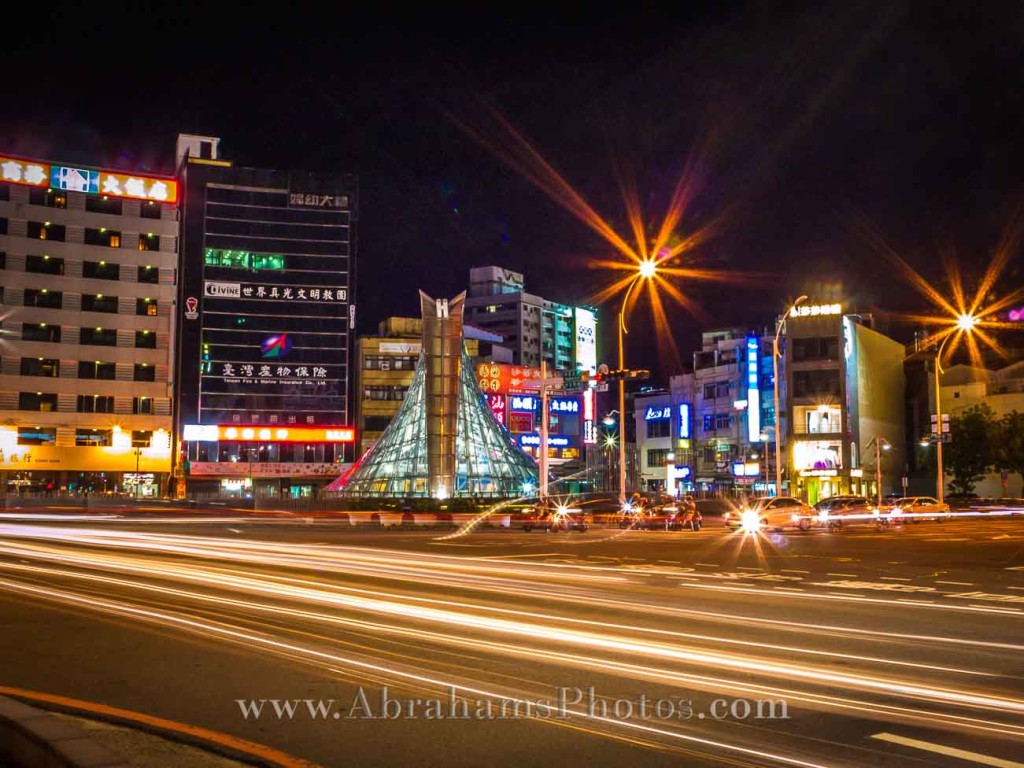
(773, 513)
(834, 511)
(914, 509)
(555, 517)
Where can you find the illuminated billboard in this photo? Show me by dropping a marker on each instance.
(502, 378)
(88, 180)
(586, 340)
(753, 389)
(213, 433)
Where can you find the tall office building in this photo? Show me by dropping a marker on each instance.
(88, 260)
(266, 295)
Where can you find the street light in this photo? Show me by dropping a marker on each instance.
(645, 271)
(965, 323)
(881, 444)
(775, 376)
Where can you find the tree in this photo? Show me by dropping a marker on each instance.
(1009, 444)
(970, 455)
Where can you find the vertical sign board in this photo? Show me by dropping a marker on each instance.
(586, 340)
(589, 424)
(684, 421)
(753, 391)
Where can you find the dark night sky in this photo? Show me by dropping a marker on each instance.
(802, 122)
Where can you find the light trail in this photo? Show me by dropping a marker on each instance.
(391, 624)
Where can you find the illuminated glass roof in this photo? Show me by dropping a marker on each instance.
(488, 463)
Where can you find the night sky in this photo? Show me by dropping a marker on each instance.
(804, 127)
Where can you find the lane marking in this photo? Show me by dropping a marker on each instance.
(792, 570)
(842, 574)
(961, 754)
(959, 583)
(191, 732)
(747, 568)
(893, 578)
(708, 565)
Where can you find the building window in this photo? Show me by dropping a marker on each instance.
(149, 242)
(141, 438)
(148, 274)
(46, 265)
(150, 210)
(385, 393)
(659, 428)
(823, 348)
(95, 404)
(41, 297)
(389, 363)
(722, 420)
(101, 270)
(709, 454)
(3, 260)
(92, 438)
(145, 340)
(99, 302)
(94, 369)
(5, 191)
(104, 204)
(102, 337)
(44, 230)
(657, 457)
(40, 366)
(40, 332)
(144, 372)
(142, 405)
(52, 198)
(103, 236)
(812, 383)
(37, 401)
(218, 257)
(37, 435)
(145, 307)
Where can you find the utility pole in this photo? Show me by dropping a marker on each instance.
(544, 384)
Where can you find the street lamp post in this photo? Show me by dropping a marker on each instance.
(646, 271)
(881, 444)
(965, 323)
(775, 377)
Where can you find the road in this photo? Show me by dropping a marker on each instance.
(899, 647)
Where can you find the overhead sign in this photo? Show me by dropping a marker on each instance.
(684, 421)
(287, 434)
(564, 405)
(222, 290)
(502, 378)
(586, 339)
(88, 180)
(658, 412)
(753, 389)
(813, 310)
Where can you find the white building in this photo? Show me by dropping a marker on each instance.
(88, 259)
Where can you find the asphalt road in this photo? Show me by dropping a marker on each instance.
(864, 647)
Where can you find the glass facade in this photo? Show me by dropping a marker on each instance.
(488, 463)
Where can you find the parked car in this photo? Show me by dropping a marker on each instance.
(914, 509)
(774, 513)
(834, 511)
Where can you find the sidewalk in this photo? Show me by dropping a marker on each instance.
(31, 737)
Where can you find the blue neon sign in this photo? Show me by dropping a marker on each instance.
(684, 421)
(753, 390)
(656, 413)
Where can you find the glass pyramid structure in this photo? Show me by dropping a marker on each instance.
(488, 463)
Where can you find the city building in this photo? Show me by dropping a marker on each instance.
(88, 257)
(711, 431)
(537, 330)
(962, 387)
(265, 292)
(845, 388)
(386, 364)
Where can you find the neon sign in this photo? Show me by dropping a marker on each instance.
(88, 180)
(1017, 315)
(564, 405)
(684, 421)
(817, 309)
(656, 413)
(753, 390)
